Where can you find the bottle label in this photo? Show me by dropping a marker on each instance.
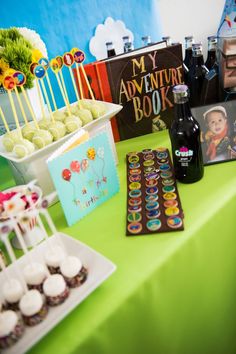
(184, 155)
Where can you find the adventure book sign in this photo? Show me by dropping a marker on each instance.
(141, 81)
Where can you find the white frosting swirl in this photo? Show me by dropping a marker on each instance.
(8, 322)
(54, 257)
(54, 285)
(70, 266)
(31, 303)
(12, 290)
(34, 273)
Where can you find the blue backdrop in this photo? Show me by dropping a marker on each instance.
(64, 24)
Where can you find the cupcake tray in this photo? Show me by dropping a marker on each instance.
(99, 269)
(153, 202)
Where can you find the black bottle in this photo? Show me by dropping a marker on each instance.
(189, 41)
(146, 40)
(110, 49)
(185, 139)
(211, 54)
(128, 44)
(196, 75)
(168, 40)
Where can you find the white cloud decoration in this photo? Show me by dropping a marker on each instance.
(110, 31)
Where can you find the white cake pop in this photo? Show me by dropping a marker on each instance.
(72, 123)
(60, 115)
(57, 129)
(85, 115)
(35, 273)
(11, 329)
(97, 109)
(9, 140)
(12, 291)
(23, 148)
(73, 271)
(53, 258)
(28, 131)
(55, 289)
(43, 123)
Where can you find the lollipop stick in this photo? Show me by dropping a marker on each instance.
(47, 100)
(13, 260)
(87, 82)
(14, 112)
(4, 120)
(21, 106)
(63, 85)
(3, 268)
(63, 94)
(79, 81)
(40, 99)
(30, 107)
(51, 92)
(73, 82)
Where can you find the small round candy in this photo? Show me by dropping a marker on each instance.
(148, 163)
(170, 203)
(152, 206)
(134, 165)
(167, 189)
(161, 149)
(172, 211)
(135, 227)
(135, 193)
(162, 155)
(154, 224)
(134, 209)
(134, 217)
(151, 190)
(174, 222)
(151, 198)
(135, 171)
(134, 201)
(152, 175)
(135, 185)
(166, 174)
(149, 156)
(133, 159)
(151, 183)
(168, 182)
(169, 196)
(162, 161)
(149, 169)
(164, 167)
(146, 151)
(135, 178)
(153, 214)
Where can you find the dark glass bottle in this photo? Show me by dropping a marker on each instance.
(146, 40)
(185, 139)
(110, 49)
(168, 40)
(211, 54)
(189, 41)
(196, 75)
(128, 45)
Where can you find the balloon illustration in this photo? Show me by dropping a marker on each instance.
(84, 165)
(75, 166)
(66, 174)
(91, 153)
(100, 152)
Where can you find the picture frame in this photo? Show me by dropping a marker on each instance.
(218, 131)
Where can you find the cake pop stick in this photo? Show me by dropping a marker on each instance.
(4, 271)
(21, 106)
(9, 84)
(13, 260)
(68, 60)
(4, 121)
(30, 107)
(79, 58)
(87, 82)
(40, 99)
(45, 63)
(40, 72)
(79, 81)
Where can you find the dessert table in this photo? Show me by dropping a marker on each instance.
(172, 293)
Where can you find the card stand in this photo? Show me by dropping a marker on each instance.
(153, 202)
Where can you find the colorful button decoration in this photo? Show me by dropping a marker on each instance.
(134, 217)
(153, 203)
(134, 227)
(135, 193)
(174, 222)
(154, 224)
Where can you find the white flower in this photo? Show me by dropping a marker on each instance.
(34, 38)
(13, 206)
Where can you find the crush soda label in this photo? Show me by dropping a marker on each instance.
(184, 155)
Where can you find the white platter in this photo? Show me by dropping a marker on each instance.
(111, 110)
(99, 269)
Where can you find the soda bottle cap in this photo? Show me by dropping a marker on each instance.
(181, 93)
(109, 45)
(197, 49)
(188, 38)
(126, 38)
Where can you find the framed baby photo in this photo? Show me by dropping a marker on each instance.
(218, 131)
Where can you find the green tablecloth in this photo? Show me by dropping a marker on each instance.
(172, 293)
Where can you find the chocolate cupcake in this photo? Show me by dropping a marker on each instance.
(33, 308)
(53, 258)
(35, 274)
(55, 290)
(73, 271)
(12, 292)
(11, 329)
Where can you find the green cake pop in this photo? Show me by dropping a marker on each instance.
(10, 139)
(59, 115)
(42, 138)
(85, 104)
(72, 123)
(85, 115)
(23, 148)
(28, 131)
(97, 109)
(43, 123)
(57, 129)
